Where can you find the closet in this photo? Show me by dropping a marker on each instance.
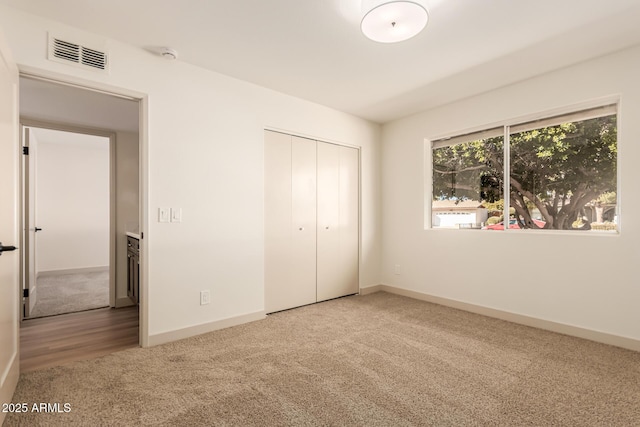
(311, 221)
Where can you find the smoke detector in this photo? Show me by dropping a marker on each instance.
(169, 54)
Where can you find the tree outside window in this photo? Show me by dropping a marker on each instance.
(563, 176)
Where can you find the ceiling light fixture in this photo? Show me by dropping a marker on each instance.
(392, 21)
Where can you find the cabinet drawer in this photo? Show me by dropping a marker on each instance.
(133, 244)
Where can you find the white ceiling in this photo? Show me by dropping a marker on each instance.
(313, 49)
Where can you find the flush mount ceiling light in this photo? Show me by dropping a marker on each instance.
(387, 21)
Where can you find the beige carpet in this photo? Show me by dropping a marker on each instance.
(376, 360)
(70, 293)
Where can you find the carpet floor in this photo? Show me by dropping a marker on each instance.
(375, 360)
(70, 293)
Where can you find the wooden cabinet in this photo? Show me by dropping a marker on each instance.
(133, 269)
(311, 221)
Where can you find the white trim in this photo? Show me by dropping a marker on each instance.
(582, 115)
(77, 82)
(506, 179)
(124, 302)
(467, 137)
(27, 122)
(548, 325)
(144, 175)
(523, 126)
(8, 382)
(372, 289)
(64, 272)
(538, 115)
(619, 165)
(427, 180)
(203, 328)
(144, 170)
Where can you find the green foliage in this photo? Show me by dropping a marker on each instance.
(493, 220)
(609, 198)
(556, 170)
(468, 171)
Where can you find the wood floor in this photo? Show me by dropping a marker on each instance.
(56, 340)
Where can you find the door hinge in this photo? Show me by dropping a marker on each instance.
(25, 151)
(25, 293)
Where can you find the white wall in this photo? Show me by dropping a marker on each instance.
(205, 152)
(72, 201)
(587, 281)
(127, 203)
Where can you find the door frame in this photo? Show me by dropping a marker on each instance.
(143, 167)
(24, 171)
(10, 273)
(64, 127)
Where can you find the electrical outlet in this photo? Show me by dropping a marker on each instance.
(397, 269)
(205, 297)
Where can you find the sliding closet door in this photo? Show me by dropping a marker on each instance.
(337, 258)
(290, 241)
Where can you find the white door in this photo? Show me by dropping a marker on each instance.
(328, 258)
(289, 221)
(9, 226)
(337, 258)
(303, 227)
(349, 221)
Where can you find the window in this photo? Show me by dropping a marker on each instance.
(562, 175)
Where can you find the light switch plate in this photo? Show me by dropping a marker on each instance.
(205, 297)
(164, 214)
(176, 214)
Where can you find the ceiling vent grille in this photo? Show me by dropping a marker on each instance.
(73, 53)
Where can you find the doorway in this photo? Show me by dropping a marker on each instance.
(51, 105)
(67, 211)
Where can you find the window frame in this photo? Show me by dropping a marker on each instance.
(601, 108)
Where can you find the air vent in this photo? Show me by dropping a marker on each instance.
(78, 54)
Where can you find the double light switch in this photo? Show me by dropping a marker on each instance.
(169, 214)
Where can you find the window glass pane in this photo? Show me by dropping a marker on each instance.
(564, 177)
(467, 183)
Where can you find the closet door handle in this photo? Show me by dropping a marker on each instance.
(301, 228)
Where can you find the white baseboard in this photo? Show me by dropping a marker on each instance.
(33, 298)
(124, 302)
(73, 271)
(8, 382)
(372, 289)
(191, 331)
(575, 331)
